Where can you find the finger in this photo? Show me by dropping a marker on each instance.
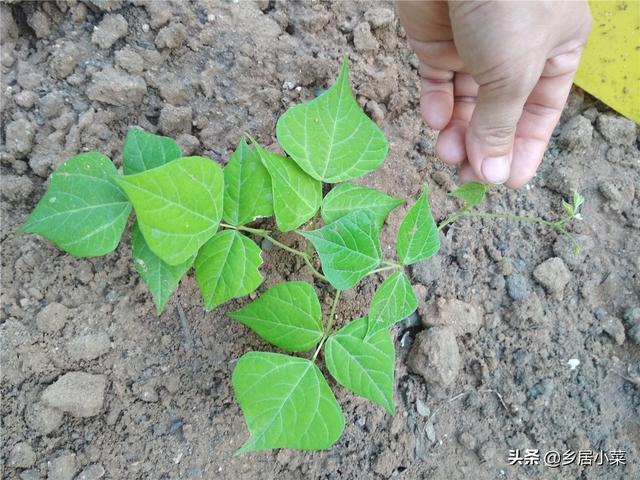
(436, 98)
(450, 146)
(490, 136)
(467, 174)
(440, 54)
(540, 116)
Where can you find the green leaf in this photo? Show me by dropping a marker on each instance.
(287, 315)
(418, 236)
(330, 137)
(178, 205)
(364, 366)
(286, 402)
(472, 193)
(247, 193)
(394, 300)
(161, 279)
(144, 151)
(227, 266)
(83, 212)
(296, 196)
(348, 248)
(347, 197)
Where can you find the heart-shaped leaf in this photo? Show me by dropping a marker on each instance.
(348, 197)
(247, 193)
(178, 205)
(364, 366)
(83, 212)
(296, 196)
(287, 315)
(286, 403)
(418, 236)
(348, 248)
(227, 266)
(161, 278)
(394, 300)
(471, 193)
(144, 151)
(330, 137)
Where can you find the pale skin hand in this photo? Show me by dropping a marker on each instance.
(495, 78)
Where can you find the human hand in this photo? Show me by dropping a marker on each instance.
(495, 77)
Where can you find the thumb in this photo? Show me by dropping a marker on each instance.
(492, 129)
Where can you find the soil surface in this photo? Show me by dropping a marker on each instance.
(518, 344)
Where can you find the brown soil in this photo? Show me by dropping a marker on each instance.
(217, 70)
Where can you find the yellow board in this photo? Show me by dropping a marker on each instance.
(610, 66)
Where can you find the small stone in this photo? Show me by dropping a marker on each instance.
(188, 144)
(634, 334)
(40, 23)
(31, 474)
(488, 452)
(613, 327)
(518, 287)
(65, 57)
(363, 39)
(52, 318)
(435, 356)
(460, 317)
(117, 88)
(91, 472)
(78, 393)
(129, 60)
(171, 36)
(51, 105)
(379, 17)
(467, 440)
(422, 408)
(15, 187)
(573, 363)
(616, 130)
(553, 275)
(88, 347)
(632, 315)
(19, 137)
(63, 467)
(26, 99)
(112, 28)
(576, 134)
(146, 391)
(42, 419)
(22, 456)
(174, 120)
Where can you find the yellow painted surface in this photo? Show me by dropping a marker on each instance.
(610, 66)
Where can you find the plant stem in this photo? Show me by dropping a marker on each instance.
(329, 325)
(265, 234)
(557, 225)
(453, 217)
(383, 269)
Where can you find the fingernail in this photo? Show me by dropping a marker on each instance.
(496, 169)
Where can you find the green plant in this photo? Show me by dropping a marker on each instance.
(191, 213)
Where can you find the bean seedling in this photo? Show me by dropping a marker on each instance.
(191, 213)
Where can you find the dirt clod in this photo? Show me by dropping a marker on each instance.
(78, 393)
(553, 275)
(88, 347)
(20, 135)
(617, 130)
(111, 29)
(460, 317)
(435, 356)
(22, 456)
(116, 88)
